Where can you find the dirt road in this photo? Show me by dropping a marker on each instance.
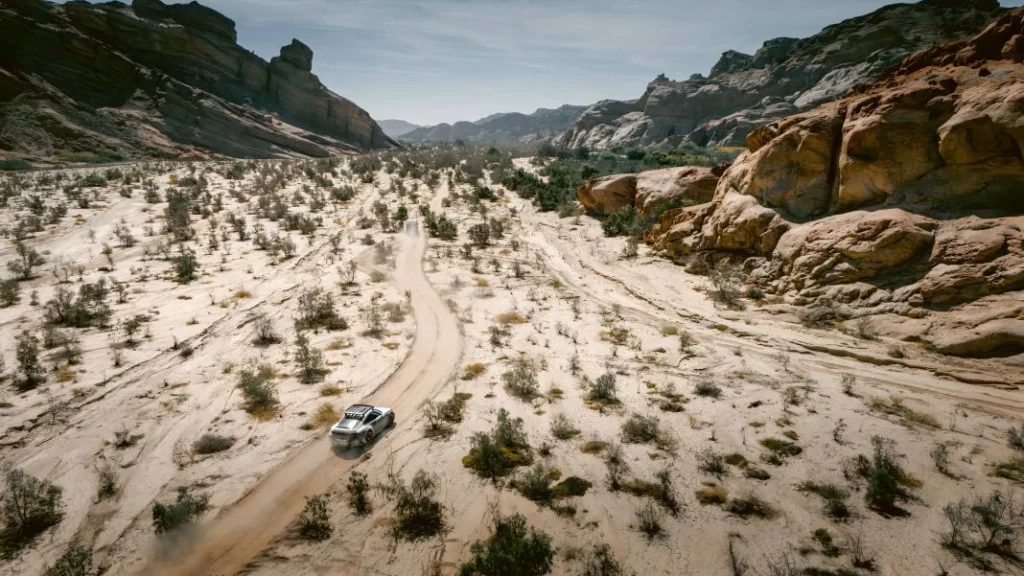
(241, 532)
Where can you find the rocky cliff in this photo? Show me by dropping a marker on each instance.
(904, 199)
(783, 77)
(502, 127)
(151, 79)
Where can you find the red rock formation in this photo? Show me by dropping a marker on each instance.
(161, 80)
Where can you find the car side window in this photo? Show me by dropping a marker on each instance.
(372, 416)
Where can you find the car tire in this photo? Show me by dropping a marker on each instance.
(368, 439)
(391, 421)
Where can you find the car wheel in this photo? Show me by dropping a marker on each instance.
(391, 420)
(368, 438)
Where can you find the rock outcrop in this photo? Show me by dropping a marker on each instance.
(158, 80)
(502, 127)
(649, 192)
(907, 196)
(784, 76)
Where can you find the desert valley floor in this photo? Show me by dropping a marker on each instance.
(735, 429)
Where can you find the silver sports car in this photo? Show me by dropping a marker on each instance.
(361, 424)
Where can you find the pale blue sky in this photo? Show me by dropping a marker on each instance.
(433, 61)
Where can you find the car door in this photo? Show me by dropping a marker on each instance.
(375, 421)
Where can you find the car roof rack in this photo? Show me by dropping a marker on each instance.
(358, 409)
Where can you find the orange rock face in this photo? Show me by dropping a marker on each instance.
(910, 191)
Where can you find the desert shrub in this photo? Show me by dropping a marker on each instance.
(706, 387)
(186, 509)
(185, 265)
(1012, 469)
(1015, 436)
(419, 514)
(562, 427)
(521, 381)
(471, 371)
(625, 222)
(315, 520)
(603, 390)
(265, 333)
(601, 562)
(834, 497)
(779, 450)
(28, 507)
(648, 522)
(712, 494)
(309, 359)
(107, 482)
(985, 527)
(28, 259)
(662, 491)
(639, 429)
(535, 484)
(30, 368)
(212, 443)
(258, 389)
(359, 494)
(9, 292)
(726, 279)
(75, 561)
(756, 473)
(316, 310)
(887, 481)
(442, 415)
(711, 462)
(615, 461)
(89, 308)
(498, 453)
(750, 506)
(513, 550)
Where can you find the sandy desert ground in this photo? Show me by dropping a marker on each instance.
(739, 403)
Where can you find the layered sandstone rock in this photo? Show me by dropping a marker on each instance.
(906, 196)
(152, 79)
(784, 76)
(649, 192)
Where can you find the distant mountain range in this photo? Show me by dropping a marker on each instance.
(787, 75)
(500, 127)
(396, 128)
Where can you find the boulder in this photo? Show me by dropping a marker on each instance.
(996, 338)
(609, 194)
(685, 186)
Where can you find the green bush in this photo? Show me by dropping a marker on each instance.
(258, 389)
(14, 164)
(315, 520)
(212, 443)
(750, 506)
(419, 513)
(28, 507)
(186, 509)
(625, 222)
(358, 494)
(75, 561)
(513, 550)
(498, 453)
(887, 481)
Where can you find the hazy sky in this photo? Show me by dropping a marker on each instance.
(430, 61)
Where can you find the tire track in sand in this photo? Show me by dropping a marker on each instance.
(239, 533)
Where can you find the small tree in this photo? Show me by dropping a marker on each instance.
(185, 265)
(265, 334)
(310, 360)
(374, 318)
(315, 521)
(886, 478)
(419, 513)
(9, 289)
(28, 260)
(480, 234)
(29, 507)
(32, 372)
